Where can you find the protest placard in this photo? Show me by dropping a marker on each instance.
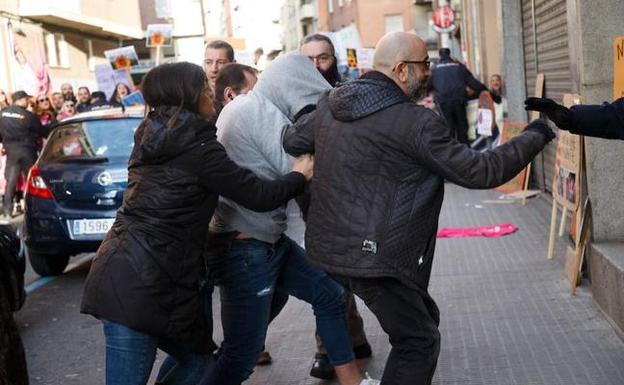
(107, 78)
(365, 57)
(568, 184)
(159, 35)
(120, 58)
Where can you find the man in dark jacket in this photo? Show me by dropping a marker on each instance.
(19, 129)
(320, 50)
(380, 166)
(83, 99)
(448, 81)
(602, 121)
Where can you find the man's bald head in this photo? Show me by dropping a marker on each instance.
(395, 47)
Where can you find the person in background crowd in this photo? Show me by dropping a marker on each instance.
(260, 258)
(260, 60)
(121, 91)
(601, 121)
(43, 109)
(234, 79)
(217, 54)
(145, 284)
(84, 99)
(68, 92)
(320, 49)
(496, 88)
(98, 100)
(67, 110)
(57, 101)
(449, 80)
(4, 100)
(19, 129)
(380, 166)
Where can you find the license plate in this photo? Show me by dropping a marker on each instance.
(92, 226)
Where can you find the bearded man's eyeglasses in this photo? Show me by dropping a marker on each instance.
(426, 63)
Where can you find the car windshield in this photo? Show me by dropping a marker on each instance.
(91, 141)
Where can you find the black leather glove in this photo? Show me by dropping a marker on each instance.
(559, 114)
(542, 127)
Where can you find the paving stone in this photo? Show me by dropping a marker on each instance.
(506, 313)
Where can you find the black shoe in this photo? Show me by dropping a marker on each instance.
(321, 368)
(362, 351)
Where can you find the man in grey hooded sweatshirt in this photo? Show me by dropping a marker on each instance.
(260, 258)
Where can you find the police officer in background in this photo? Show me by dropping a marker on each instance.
(19, 129)
(448, 81)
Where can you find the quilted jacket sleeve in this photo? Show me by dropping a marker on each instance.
(298, 139)
(443, 155)
(224, 177)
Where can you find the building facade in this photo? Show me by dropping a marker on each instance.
(571, 43)
(45, 43)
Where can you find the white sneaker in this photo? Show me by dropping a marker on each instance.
(369, 381)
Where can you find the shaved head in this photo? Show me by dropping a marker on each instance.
(395, 47)
(403, 57)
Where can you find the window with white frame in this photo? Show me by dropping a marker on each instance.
(57, 50)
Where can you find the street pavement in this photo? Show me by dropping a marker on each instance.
(506, 314)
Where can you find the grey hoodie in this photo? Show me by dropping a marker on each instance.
(251, 128)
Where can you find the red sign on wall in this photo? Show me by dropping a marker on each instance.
(444, 19)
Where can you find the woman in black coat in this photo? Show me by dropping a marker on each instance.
(146, 279)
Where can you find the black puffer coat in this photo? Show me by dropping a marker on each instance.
(147, 272)
(378, 185)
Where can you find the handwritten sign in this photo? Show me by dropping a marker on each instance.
(365, 57)
(618, 68)
(566, 186)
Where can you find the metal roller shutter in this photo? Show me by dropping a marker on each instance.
(545, 30)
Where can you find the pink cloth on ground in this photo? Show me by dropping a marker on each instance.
(479, 231)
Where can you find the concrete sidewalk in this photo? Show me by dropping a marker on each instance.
(506, 313)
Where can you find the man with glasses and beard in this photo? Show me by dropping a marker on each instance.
(379, 169)
(320, 50)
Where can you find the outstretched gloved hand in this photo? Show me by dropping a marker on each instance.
(559, 114)
(542, 127)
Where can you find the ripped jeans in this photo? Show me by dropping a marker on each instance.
(254, 270)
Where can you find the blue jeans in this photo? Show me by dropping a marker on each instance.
(130, 356)
(253, 271)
